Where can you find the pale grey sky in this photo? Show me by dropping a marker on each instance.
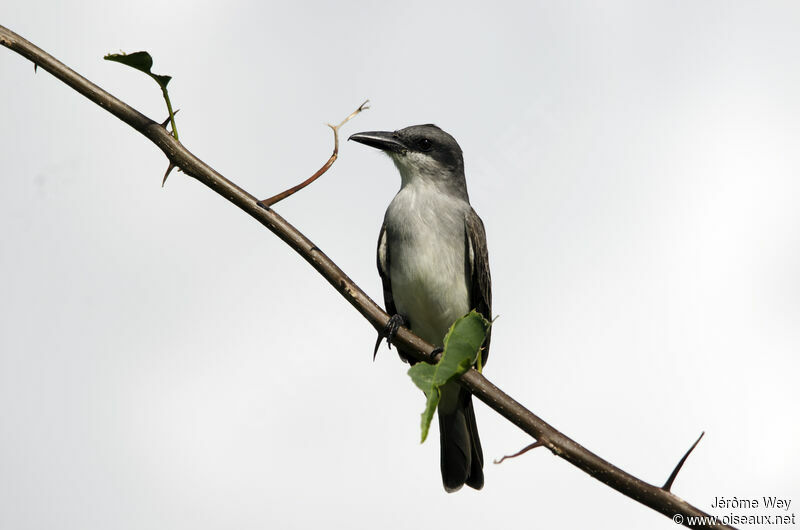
(165, 362)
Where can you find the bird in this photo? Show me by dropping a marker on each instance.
(434, 265)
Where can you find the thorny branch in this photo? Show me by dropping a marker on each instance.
(653, 496)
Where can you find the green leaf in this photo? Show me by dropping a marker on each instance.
(423, 375)
(142, 61)
(462, 345)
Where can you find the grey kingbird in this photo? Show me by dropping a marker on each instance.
(433, 261)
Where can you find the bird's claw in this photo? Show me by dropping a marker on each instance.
(395, 323)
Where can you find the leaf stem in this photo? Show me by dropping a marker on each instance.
(171, 114)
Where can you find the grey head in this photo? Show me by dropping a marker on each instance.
(424, 154)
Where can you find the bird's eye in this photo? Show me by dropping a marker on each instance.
(425, 144)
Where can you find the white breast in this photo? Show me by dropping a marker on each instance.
(425, 242)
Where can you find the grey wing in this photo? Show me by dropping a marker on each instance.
(477, 268)
(383, 271)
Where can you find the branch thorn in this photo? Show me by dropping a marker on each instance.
(166, 122)
(171, 166)
(668, 484)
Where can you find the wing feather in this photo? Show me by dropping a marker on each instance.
(383, 271)
(476, 256)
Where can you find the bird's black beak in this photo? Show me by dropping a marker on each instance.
(385, 141)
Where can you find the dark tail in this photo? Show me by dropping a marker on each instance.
(462, 456)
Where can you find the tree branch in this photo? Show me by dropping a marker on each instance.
(267, 203)
(644, 493)
(534, 445)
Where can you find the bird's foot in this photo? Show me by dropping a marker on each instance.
(395, 323)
